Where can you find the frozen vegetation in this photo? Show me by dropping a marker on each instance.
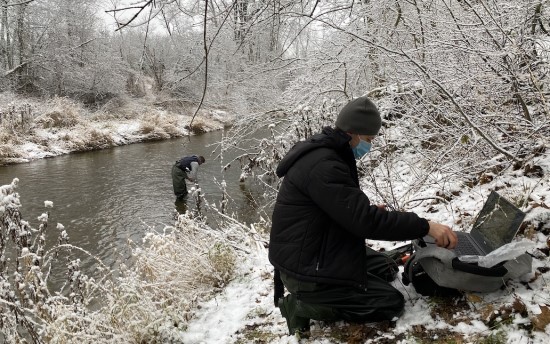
(195, 284)
(34, 128)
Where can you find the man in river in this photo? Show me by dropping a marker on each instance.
(185, 169)
(320, 222)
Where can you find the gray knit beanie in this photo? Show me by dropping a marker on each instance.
(359, 116)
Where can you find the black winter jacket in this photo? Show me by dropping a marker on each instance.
(321, 217)
(185, 162)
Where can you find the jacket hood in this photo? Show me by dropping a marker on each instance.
(328, 138)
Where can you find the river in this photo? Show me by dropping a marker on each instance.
(104, 198)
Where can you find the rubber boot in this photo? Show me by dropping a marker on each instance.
(297, 325)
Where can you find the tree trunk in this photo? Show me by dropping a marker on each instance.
(240, 19)
(6, 60)
(20, 35)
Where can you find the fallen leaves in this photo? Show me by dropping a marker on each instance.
(540, 321)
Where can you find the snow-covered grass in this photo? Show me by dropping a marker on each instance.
(33, 129)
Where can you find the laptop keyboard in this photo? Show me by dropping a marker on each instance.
(464, 246)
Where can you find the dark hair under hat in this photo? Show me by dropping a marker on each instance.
(359, 116)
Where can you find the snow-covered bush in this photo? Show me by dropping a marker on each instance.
(159, 126)
(26, 303)
(7, 149)
(61, 113)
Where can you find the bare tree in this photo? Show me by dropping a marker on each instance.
(465, 81)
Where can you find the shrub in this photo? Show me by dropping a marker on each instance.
(64, 113)
(99, 139)
(221, 259)
(56, 120)
(159, 126)
(7, 151)
(114, 104)
(197, 128)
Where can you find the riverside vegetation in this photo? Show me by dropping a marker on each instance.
(156, 297)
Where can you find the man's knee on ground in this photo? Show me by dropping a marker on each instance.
(380, 307)
(395, 304)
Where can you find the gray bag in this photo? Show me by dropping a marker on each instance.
(437, 271)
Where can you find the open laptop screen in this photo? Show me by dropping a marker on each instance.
(497, 223)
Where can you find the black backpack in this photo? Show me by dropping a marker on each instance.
(422, 282)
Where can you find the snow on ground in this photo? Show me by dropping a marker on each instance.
(244, 313)
(518, 314)
(245, 305)
(242, 302)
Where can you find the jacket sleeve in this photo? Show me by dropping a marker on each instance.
(194, 170)
(333, 190)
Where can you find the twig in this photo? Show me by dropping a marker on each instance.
(141, 8)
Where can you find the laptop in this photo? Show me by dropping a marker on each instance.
(496, 225)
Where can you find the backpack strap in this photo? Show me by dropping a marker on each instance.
(407, 270)
(495, 271)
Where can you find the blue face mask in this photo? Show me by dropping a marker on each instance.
(361, 149)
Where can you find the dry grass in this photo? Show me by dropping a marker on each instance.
(160, 126)
(100, 139)
(197, 127)
(86, 139)
(7, 151)
(174, 105)
(171, 274)
(61, 113)
(7, 138)
(57, 119)
(221, 262)
(7, 142)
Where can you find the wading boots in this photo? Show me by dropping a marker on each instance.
(290, 308)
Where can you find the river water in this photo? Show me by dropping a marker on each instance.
(103, 198)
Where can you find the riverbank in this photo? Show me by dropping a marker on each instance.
(517, 313)
(32, 129)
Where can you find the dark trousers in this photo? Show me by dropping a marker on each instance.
(178, 182)
(380, 301)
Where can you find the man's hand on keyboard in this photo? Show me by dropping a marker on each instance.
(443, 235)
